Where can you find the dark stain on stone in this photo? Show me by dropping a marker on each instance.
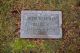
(42, 32)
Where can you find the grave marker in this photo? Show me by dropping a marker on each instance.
(41, 24)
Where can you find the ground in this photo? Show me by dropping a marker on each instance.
(10, 42)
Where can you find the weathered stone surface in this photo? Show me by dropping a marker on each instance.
(41, 24)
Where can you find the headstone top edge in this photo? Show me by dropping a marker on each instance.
(27, 11)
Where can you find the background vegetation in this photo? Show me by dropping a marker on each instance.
(10, 42)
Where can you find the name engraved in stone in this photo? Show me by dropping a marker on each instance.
(41, 24)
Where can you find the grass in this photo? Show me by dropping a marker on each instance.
(10, 26)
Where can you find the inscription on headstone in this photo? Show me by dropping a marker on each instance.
(41, 24)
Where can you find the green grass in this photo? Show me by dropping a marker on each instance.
(10, 26)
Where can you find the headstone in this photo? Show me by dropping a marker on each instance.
(41, 24)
